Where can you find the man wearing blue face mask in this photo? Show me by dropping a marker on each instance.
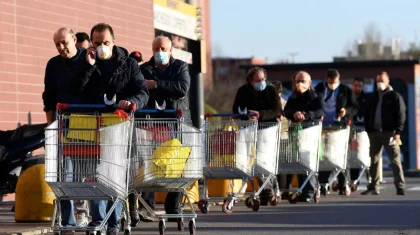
(262, 100)
(340, 105)
(168, 82)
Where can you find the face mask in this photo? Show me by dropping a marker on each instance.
(162, 57)
(381, 86)
(260, 86)
(301, 87)
(333, 86)
(103, 52)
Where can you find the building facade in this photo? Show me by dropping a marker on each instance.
(26, 43)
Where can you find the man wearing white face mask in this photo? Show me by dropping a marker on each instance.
(384, 122)
(340, 106)
(304, 105)
(108, 76)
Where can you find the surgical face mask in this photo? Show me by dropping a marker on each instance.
(381, 86)
(333, 86)
(260, 86)
(103, 52)
(301, 87)
(162, 57)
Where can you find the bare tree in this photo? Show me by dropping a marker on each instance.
(222, 96)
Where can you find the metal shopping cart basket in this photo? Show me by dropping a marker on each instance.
(358, 153)
(87, 158)
(335, 142)
(299, 154)
(168, 159)
(266, 164)
(230, 153)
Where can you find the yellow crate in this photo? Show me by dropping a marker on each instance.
(85, 127)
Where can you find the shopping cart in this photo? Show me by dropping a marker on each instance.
(87, 158)
(230, 153)
(266, 165)
(299, 154)
(168, 158)
(335, 142)
(358, 153)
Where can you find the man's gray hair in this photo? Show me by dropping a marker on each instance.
(163, 38)
(66, 29)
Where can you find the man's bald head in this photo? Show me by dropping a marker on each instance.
(161, 47)
(302, 81)
(303, 75)
(65, 42)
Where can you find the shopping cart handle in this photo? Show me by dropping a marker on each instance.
(207, 115)
(61, 106)
(157, 111)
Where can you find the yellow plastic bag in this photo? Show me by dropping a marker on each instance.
(169, 159)
(84, 127)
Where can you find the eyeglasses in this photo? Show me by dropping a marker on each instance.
(300, 81)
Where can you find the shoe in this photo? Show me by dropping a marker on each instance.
(134, 216)
(400, 192)
(94, 224)
(307, 197)
(112, 231)
(81, 220)
(370, 191)
(146, 216)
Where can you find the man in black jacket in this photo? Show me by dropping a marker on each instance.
(109, 76)
(257, 98)
(359, 118)
(384, 122)
(56, 90)
(302, 106)
(168, 81)
(340, 105)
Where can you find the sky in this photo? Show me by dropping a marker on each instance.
(316, 30)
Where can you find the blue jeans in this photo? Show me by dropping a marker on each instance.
(67, 207)
(99, 210)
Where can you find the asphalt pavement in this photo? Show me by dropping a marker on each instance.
(386, 213)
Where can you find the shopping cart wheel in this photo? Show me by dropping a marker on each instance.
(180, 223)
(203, 205)
(347, 191)
(316, 197)
(256, 205)
(274, 200)
(162, 227)
(226, 208)
(248, 202)
(293, 198)
(354, 188)
(334, 186)
(324, 191)
(191, 226)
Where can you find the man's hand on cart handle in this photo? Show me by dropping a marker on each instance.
(299, 116)
(254, 117)
(124, 104)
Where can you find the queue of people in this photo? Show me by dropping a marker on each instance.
(334, 102)
(94, 69)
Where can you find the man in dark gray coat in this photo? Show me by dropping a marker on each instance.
(168, 81)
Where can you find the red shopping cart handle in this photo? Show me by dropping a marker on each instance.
(61, 106)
